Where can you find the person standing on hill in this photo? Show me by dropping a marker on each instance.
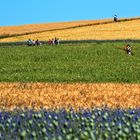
(115, 18)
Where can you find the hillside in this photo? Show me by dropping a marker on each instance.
(78, 30)
(35, 28)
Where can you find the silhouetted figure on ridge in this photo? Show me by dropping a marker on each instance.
(115, 18)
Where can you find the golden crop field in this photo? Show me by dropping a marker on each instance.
(78, 95)
(17, 30)
(110, 31)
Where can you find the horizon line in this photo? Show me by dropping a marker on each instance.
(65, 21)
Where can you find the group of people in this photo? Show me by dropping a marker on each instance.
(33, 42)
(55, 41)
(52, 41)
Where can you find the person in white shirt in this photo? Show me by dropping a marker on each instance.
(53, 41)
(58, 41)
(33, 42)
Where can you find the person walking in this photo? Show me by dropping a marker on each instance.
(58, 41)
(53, 41)
(37, 42)
(128, 49)
(49, 42)
(29, 42)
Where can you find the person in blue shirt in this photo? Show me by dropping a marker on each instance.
(29, 42)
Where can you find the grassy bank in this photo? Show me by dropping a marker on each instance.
(80, 62)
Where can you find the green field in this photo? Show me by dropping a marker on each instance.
(74, 62)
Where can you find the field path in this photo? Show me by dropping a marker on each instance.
(76, 95)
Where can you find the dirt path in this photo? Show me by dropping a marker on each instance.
(69, 95)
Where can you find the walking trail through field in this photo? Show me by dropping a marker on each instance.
(77, 95)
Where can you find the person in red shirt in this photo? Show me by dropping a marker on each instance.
(49, 42)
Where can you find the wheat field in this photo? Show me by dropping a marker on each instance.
(17, 30)
(57, 96)
(110, 31)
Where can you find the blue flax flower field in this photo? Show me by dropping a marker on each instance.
(93, 124)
